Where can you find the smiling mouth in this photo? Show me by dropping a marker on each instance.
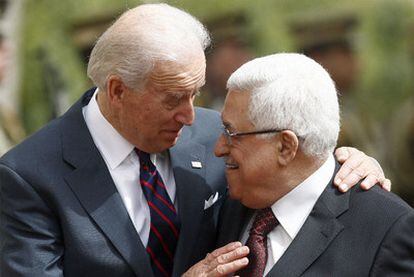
(231, 166)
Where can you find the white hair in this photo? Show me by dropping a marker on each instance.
(291, 91)
(141, 37)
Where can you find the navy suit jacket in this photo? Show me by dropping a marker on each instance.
(359, 233)
(62, 214)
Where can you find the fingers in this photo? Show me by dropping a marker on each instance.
(231, 267)
(352, 171)
(373, 179)
(356, 167)
(386, 184)
(375, 175)
(366, 168)
(233, 255)
(223, 250)
(343, 153)
(369, 181)
(350, 180)
(222, 261)
(227, 259)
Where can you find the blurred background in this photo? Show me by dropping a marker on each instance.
(367, 46)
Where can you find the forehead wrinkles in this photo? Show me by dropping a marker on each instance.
(168, 77)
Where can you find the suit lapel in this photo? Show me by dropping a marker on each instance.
(92, 184)
(192, 191)
(319, 230)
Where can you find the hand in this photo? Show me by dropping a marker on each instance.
(357, 166)
(221, 262)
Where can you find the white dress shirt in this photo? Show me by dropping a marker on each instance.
(123, 165)
(292, 211)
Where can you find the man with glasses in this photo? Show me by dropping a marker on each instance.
(126, 182)
(281, 124)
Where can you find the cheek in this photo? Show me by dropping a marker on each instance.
(240, 182)
(144, 117)
(249, 178)
(242, 187)
(251, 168)
(254, 170)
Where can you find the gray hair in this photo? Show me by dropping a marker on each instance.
(291, 91)
(141, 37)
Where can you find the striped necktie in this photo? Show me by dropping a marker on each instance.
(264, 222)
(165, 224)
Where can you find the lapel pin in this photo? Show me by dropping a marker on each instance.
(195, 164)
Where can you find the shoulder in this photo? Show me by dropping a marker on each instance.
(43, 144)
(389, 224)
(35, 167)
(375, 211)
(376, 200)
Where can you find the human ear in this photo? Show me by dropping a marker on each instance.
(288, 145)
(116, 90)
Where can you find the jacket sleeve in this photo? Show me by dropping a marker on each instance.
(30, 236)
(395, 257)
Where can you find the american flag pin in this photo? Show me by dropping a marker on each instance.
(196, 164)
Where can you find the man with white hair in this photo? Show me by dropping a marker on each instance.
(281, 119)
(121, 185)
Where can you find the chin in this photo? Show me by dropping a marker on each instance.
(250, 200)
(234, 194)
(171, 142)
(254, 205)
(160, 146)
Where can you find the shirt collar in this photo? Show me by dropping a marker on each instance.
(113, 147)
(293, 208)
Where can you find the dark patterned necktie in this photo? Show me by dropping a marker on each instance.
(165, 224)
(264, 222)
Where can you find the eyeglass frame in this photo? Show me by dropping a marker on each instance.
(228, 136)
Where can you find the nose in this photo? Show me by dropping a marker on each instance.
(185, 115)
(221, 148)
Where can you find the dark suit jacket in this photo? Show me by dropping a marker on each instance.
(62, 214)
(359, 233)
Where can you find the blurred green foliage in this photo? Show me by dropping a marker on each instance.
(378, 115)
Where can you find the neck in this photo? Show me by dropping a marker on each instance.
(299, 170)
(103, 106)
(304, 166)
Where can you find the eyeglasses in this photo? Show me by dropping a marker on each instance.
(229, 135)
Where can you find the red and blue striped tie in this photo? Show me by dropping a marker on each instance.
(165, 224)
